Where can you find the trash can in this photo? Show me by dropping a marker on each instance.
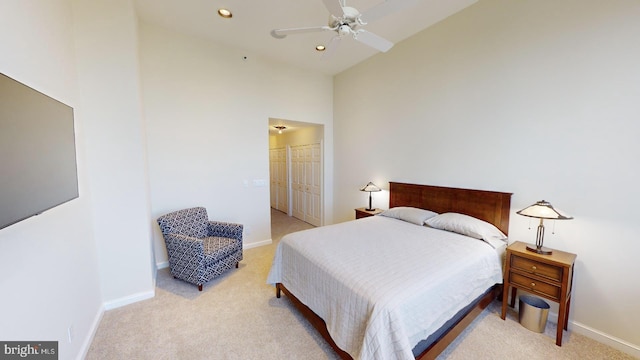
(533, 313)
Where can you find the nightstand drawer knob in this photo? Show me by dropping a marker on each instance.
(533, 267)
(533, 284)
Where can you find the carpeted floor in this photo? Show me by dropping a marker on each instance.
(238, 316)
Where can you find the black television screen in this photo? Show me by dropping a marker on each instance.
(37, 152)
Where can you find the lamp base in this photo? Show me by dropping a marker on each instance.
(367, 209)
(539, 250)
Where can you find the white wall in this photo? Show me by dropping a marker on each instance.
(60, 269)
(538, 98)
(107, 53)
(50, 279)
(207, 113)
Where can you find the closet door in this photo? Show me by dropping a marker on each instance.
(312, 166)
(297, 183)
(273, 177)
(282, 182)
(278, 179)
(306, 183)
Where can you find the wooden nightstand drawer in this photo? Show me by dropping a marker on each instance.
(535, 285)
(537, 268)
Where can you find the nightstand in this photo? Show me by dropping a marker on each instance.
(361, 212)
(548, 276)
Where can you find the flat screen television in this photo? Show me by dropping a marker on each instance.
(38, 168)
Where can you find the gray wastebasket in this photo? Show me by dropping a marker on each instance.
(533, 313)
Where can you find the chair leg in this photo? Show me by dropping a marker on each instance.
(237, 264)
(200, 287)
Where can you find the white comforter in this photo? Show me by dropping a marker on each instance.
(382, 284)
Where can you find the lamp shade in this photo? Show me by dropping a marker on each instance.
(543, 210)
(370, 187)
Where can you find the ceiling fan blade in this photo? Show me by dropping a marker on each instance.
(385, 8)
(373, 40)
(331, 47)
(282, 33)
(334, 7)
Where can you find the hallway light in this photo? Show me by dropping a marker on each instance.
(225, 13)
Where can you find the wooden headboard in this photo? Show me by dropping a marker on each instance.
(490, 206)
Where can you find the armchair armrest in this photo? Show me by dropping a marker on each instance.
(225, 229)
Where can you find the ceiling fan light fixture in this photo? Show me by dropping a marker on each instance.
(225, 13)
(344, 30)
(280, 128)
(346, 20)
(321, 48)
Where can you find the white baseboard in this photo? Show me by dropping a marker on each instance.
(599, 336)
(165, 264)
(257, 244)
(614, 342)
(113, 304)
(108, 305)
(84, 349)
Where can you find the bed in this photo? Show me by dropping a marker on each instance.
(389, 287)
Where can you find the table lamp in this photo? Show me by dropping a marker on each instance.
(542, 210)
(370, 187)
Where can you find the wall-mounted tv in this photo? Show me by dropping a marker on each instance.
(37, 152)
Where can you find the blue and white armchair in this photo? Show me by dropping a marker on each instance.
(199, 249)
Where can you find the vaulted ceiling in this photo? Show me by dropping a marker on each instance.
(253, 20)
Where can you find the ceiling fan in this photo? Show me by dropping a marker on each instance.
(345, 20)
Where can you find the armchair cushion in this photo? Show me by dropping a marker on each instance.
(216, 248)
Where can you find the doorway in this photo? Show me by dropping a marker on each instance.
(296, 169)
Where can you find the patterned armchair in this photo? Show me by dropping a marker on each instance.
(200, 250)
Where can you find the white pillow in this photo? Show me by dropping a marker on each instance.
(409, 214)
(469, 226)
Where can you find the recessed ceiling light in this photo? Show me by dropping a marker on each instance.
(225, 13)
(320, 48)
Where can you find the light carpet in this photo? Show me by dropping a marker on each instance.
(237, 316)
